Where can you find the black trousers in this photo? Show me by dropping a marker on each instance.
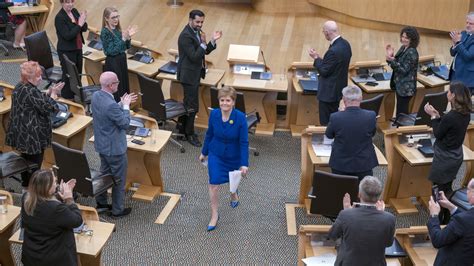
(76, 57)
(444, 214)
(118, 65)
(325, 110)
(402, 104)
(191, 103)
(360, 175)
(34, 158)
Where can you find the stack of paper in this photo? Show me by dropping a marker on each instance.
(324, 259)
(234, 180)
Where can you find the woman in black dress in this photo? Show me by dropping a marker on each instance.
(49, 222)
(70, 24)
(449, 131)
(115, 42)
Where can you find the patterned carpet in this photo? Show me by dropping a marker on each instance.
(252, 234)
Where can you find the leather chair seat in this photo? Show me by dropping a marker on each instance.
(174, 109)
(459, 198)
(54, 74)
(252, 120)
(100, 183)
(12, 163)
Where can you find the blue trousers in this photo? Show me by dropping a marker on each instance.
(115, 166)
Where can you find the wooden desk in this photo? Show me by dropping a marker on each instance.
(7, 223)
(469, 142)
(432, 84)
(5, 107)
(72, 134)
(35, 15)
(321, 245)
(417, 245)
(89, 248)
(309, 164)
(260, 95)
(213, 77)
(408, 169)
(304, 107)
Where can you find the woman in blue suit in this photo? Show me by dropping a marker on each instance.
(226, 147)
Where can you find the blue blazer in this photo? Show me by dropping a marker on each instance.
(464, 63)
(110, 124)
(230, 143)
(352, 131)
(456, 241)
(333, 70)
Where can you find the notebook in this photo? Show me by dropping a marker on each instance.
(382, 76)
(309, 86)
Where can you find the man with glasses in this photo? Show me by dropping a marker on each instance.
(192, 48)
(455, 242)
(111, 120)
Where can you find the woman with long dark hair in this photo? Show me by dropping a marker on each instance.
(449, 131)
(48, 222)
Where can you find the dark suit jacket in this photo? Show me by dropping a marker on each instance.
(48, 238)
(455, 243)
(352, 130)
(191, 57)
(67, 30)
(333, 70)
(464, 63)
(365, 233)
(404, 68)
(229, 143)
(110, 124)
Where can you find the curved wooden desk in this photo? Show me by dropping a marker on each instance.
(307, 109)
(408, 169)
(7, 223)
(5, 107)
(417, 245)
(213, 77)
(35, 15)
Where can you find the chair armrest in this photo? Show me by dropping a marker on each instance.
(310, 194)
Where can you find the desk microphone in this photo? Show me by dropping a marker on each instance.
(264, 62)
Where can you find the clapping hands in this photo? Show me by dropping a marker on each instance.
(389, 52)
(312, 52)
(429, 109)
(65, 189)
(126, 99)
(129, 32)
(82, 18)
(455, 36)
(55, 90)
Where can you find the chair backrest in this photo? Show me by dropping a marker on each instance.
(153, 100)
(214, 101)
(38, 49)
(438, 100)
(372, 104)
(329, 190)
(73, 164)
(73, 76)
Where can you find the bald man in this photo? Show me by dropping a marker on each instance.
(111, 120)
(333, 71)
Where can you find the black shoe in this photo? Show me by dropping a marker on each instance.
(125, 212)
(103, 208)
(193, 140)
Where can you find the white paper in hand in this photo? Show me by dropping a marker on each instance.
(234, 180)
(204, 162)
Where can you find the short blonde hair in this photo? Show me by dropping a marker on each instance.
(227, 92)
(29, 70)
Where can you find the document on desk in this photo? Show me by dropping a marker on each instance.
(322, 145)
(323, 259)
(234, 180)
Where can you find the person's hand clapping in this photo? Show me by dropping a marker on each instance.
(244, 170)
(55, 90)
(65, 189)
(132, 30)
(455, 36)
(126, 99)
(380, 205)
(216, 35)
(389, 52)
(82, 18)
(312, 52)
(346, 201)
(429, 109)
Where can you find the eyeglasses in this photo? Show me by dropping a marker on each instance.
(115, 82)
(115, 17)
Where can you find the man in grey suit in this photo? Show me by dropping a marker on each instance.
(365, 228)
(111, 119)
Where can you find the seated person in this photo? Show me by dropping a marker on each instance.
(18, 22)
(455, 242)
(49, 222)
(365, 228)
(352, 130)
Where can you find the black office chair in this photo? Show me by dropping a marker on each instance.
(82, 94)
(372, 104)
(72, 163)
(38, 49)
(253, 118)
(437, 100)
(459, 198)
(12, 164)
(157, 107)
(329, 190)
(3, 28)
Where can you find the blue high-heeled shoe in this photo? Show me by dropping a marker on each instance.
(234, 203)
(212, 227)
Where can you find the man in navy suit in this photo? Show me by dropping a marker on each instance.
(455, 242)
(462, 68)
(352, 130)
(333, 71)
(192, 48)
(111, 120)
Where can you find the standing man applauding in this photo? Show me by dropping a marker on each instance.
(192, 48)
(333, 71)
(462, 68)
(111, 119)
